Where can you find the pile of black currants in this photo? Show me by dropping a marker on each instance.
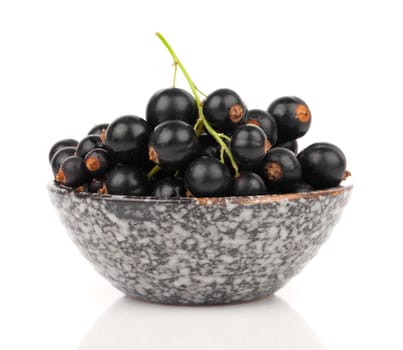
(187, 147)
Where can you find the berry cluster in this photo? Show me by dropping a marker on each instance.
(211, 148)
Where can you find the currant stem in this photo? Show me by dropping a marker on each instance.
(153, 171)
(199, 104)
(175, 70)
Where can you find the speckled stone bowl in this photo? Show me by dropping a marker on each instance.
(199, 251)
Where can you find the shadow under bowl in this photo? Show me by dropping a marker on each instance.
(199, 250)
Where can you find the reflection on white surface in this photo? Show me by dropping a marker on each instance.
(269, 323)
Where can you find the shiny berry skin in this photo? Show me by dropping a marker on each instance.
(224, 110)
(291, 145)
(293, 117)
(265, 121)
(247, 184)
(171, 104)
(323, 165)
(98, 161)
(207, 177)
(281, 170)
(61, 144)
(60, 156)
(249, 145)
(170, 187)
(126, 179)
(127, 136)
(87, 144)
(98, 129)
(173, 144)
(72, 172)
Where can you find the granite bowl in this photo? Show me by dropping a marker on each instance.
(199, 250)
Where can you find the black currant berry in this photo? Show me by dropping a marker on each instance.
(323, 165)
(303, 187)
(127, 136)
(293, 117)
(61, 144)
(72, 172)
(291, 145)
(98, 129)
(126, 179)
(224, 110)
(98, 161)
(171, 104)
(207, 177)
(60, 156)
(172, 144)
(265, 121)
(208, 146)
(87, 144)
(170, 187)
(281, 169)
(247, 184)
(249, 145)
(94, 185)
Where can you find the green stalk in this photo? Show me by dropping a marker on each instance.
(192, 86)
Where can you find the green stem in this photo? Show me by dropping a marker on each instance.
(222, 155)
(175, 70)
(199, 104)
(153, 171)
(223, 136)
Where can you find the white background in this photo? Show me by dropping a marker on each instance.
(66, 66)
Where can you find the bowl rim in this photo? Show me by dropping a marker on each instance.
(344, 187)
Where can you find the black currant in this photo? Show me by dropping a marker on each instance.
(173, 144)
(281, 170)
(126, 179)
(127, 136)
(293, 117)
(224, 110)
(265, 121)
(171, 104)
(208, 146)
(170, 187)
(98, 161)
(61, 144)
(72, 172)
(303, 187)
(98, 129)
(291, 145)
(60, 156)
(207, 177)
(94, 185)
(87, 144)
(247, 184)
(249, 145)
(323, 165)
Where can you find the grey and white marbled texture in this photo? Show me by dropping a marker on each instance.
(190, 252)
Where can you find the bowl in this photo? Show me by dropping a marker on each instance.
(199, 250)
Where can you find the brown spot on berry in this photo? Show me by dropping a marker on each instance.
(60, 176)
(267, 145)
(92, 164)
(188, 194)
(103, 135)
(153, 155)
(236, 113)
(103, 190)
(79, 189)
(273, 171)
(303, 114)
